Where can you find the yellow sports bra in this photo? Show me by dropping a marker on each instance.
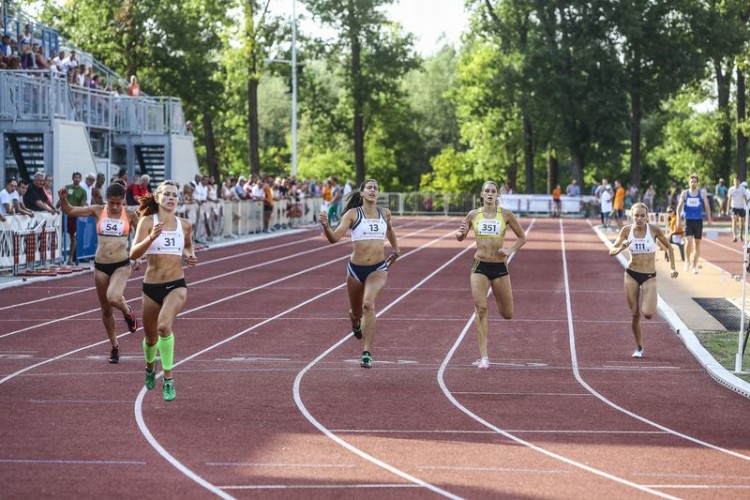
(489, 228)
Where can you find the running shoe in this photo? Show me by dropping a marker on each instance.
(484, 363)
(150, 381)
(695, 270)
(476, 363)
(357, 330)
(638, 353)
(114, 354)
(168, 389)
(366, 360)
(130, 320)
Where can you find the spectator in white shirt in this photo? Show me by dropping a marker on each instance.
(201, 190)
(7, 207)
(69, 62)
(738, 200)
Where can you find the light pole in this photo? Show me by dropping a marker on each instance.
(293, 64)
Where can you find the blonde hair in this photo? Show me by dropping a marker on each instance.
(497, 188)
(638, 205)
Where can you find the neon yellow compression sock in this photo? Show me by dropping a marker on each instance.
(149, 351)
(166, 350)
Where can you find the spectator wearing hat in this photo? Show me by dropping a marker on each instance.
(738, 201)
(76, 198)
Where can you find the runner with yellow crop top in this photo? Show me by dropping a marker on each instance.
(367, 270)
(640, 239)
(490, 269)
(111, 262)
(165, 239)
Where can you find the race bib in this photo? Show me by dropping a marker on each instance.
(112, 227)
(693, 202)
(489, 227)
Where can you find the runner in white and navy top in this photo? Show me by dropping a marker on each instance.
(165, 239)
(640, 239)
(367, 270)
(111, 262)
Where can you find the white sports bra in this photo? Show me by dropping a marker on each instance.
(168, 242)
(641, 245)
(368, 229)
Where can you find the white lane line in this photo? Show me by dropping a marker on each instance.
(315, 486)
(61, 461)
(523, 431)
(484, 393)
(183, 313)
(579, 378)
(328, 433)
(280, 464)
(138, 407)
(448, 394)
(495, 469)
(703, 486)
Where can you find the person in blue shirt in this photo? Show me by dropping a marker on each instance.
(695, 203)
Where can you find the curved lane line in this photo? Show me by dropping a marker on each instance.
(327, 432)
(516, 439)
(138, 407)
(579, 378)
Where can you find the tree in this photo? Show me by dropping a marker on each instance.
(375, 59)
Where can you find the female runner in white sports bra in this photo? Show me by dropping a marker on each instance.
(111, 262)
(165, 239)
(490, 269)
(640, 276)
(367, 270)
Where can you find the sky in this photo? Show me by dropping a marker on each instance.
(428, 20)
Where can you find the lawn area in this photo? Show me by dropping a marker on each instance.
(723, 347)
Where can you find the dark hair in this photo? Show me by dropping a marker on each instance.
(116, 189)
(148, 203)
(354, 199)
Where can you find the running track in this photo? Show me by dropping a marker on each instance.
(271, 401)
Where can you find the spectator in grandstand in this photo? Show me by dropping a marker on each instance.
(122, 174)
(21, 208)
(695, 203)
(35, 198)
(640, 239)
(69, 62)
(27, 57)
(7, 207)
(201, 189)
(239, 189)
(228, 192)
(334, 209)
(88, 186)
(138, 189)
(76, 197)
(26, 38)
(114, 223)
(5, 48)
(134, 89)
(49, 182)
(165, 239)
(96, 191)
(367, 271)
(40, 60)
(257, 192)
(490, 268)
(738, 200)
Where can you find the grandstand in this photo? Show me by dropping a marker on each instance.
(50, 125)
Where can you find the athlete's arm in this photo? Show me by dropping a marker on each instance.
(466, 225)
(621, 243)
(518, 230)
(334, 235)
(84, 211)
(188, 252)
(391, 235)
(146, 233)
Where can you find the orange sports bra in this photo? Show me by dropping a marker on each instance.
(108, 226)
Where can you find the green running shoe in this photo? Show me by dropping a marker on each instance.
(150, 379)
(168, 389)
(366, 360)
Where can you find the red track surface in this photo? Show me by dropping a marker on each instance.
(271, 402)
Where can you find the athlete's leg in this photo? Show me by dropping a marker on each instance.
(503, 293)
(101, 281)
(632, 294)
(356, 292)
(480, 284)
(171, 307)
(373, 285)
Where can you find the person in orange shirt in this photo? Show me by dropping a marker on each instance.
(556, 201)
(619, 203)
